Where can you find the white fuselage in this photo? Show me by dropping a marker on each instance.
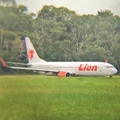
(77, 68)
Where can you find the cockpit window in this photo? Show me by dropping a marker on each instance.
(109, 66)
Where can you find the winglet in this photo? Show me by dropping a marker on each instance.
(3, 62)
(106, 61)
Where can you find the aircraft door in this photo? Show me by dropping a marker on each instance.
(100, 69)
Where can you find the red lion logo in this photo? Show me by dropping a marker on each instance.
(30, 54)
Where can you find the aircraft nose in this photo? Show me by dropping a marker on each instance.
(115, 70)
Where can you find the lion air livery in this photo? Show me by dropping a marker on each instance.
(63, 68)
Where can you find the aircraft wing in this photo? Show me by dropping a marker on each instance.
(16, 63)
(59, 73)
(35, 69)
(29, 68)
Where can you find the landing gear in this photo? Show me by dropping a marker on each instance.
(109, 76)
(68, 75)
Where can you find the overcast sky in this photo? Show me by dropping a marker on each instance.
(79, 6)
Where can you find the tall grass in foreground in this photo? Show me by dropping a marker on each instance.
(51, 98)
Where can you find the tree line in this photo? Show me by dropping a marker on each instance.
(59, 34)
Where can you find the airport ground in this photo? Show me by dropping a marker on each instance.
(39, 97)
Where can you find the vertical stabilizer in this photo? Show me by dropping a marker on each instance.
(31, 52)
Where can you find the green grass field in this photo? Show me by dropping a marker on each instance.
(41, 97)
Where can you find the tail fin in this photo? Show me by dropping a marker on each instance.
(31, 52)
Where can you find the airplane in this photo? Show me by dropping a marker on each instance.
(63, 69)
